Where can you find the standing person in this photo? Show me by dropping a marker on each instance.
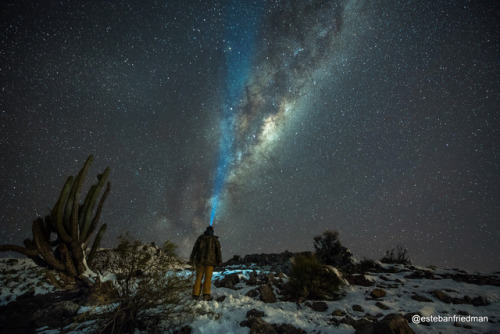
(205, 255)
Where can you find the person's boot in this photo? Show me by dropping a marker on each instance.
(207, 298)
(196, 297)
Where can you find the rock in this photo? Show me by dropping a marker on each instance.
(220, 299)
(480, 301)
(473, 279)
(390, 324)
(29, 312)
(338, 313)
(357, 308)
(348, 321)
(442, 296)
(270, 278)
(378, 293)
(364, 326)
(393, 323)
(382, 306)
(184, 330)
(254, 313)
(55, 314)
(318, 306)
(423, 299)
(267, 294)
(228, 282)
(371, 318)
(419, 274)
(259, 326)
(288, 329)
(252, 293)
(358, 280)
(252, 278)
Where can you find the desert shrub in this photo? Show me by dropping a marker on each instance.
(396, 256)
(330, 251)
(148, 293)
(309, 279)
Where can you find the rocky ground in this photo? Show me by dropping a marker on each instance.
(249, 297)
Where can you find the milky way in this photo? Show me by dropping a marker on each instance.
(378, 119)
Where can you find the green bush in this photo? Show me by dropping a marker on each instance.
(148, 293)
(309, 279)
(330, 251)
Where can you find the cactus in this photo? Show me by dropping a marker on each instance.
(96, 244)
(73, 223)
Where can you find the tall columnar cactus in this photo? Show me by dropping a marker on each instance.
(73, 225)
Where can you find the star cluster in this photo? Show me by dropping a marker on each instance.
(379, 120)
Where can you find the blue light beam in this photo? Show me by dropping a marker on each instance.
(241, 29)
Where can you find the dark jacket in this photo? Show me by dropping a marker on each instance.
(206, 251)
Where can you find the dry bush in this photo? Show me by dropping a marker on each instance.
(396, 256)
(148, 294)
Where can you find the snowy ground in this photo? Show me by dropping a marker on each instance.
(17, 276)
(236, 305)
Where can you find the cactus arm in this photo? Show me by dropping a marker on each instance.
(19, 249)
(96, 244)
(78, 256)
(95, 221)
(43, 245)
(85, 206)
(67, 259)
(61, 231)
(75, 193)
(87, 226)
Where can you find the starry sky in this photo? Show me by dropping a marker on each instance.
(379, 119)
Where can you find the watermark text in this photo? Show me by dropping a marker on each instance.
(416, 319)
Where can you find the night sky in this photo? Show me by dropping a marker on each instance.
(376, 118)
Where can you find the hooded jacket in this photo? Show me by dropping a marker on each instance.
(206, 251)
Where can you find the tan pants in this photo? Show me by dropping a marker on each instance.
(201, 271)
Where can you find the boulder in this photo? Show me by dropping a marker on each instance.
(288, 329)
(56, 314)
(382, 306)
(184, 330)
(357, 308)
(442, 296)
(423, 299)
(338, 313)
(393, 323)
(378, 293)
(419, 274)
(318, 306)
(254, 313)
(358, 280)
(364, 326)
(480, 301)
(259, 326)
(267, 294)
(228, 282)
(390, 324)
(348, 321)
(252, 293)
